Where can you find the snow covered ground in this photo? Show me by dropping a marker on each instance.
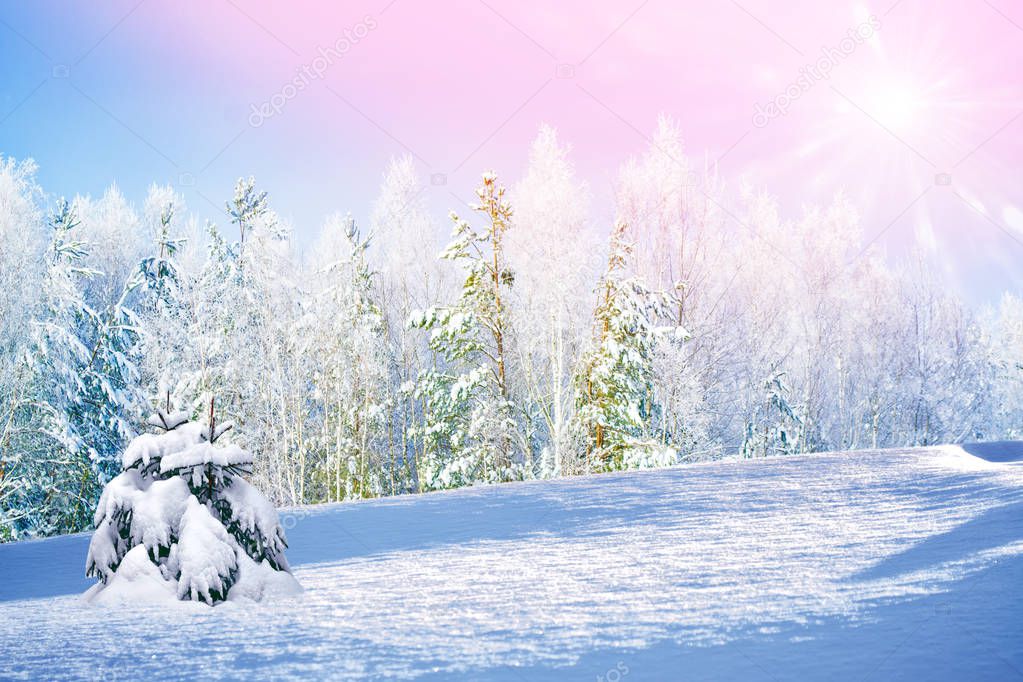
(870, 565)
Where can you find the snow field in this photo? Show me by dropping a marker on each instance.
(867, 565)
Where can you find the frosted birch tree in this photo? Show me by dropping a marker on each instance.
(552, 253)
(408, 277)
(347, 354)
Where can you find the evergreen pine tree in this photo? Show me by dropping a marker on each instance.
(775, 427)
(181, 520)
(163, 309)
(249, 206)
(468, 427)
(81, 392)
(613, 394)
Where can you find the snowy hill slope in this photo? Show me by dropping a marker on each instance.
(878, 565)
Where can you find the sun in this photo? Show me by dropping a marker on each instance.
(896, 104)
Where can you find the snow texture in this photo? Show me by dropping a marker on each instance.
(204, 554)
(158, 512)
(201, 454)
(137, 581)
(153, 446)
(879, 565)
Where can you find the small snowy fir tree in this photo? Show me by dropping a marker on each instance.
(180, 521)
(775, 428)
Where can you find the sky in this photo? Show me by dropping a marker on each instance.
(913, 109)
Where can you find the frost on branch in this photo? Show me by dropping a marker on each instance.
(180, 521)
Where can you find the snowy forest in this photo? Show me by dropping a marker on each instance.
(520, 338)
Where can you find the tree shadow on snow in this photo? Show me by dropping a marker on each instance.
(996, 451)
(967, 629)
(651, 501)
(37, 569)
(996, 527)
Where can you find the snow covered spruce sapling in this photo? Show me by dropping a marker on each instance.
(180, 521)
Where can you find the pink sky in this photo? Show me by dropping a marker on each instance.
(464, 84)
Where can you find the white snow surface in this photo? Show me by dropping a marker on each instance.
(137, 581)
(868, 565)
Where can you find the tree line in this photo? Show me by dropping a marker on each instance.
(535, 342)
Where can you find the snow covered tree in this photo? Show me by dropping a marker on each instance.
(345, 346)
(268, 306)
(24, 452)
(180, 521)
(468, 427)
(160, 271)
(248, 207)
(555, 260)
(211, 324)
(112, 383)
(408, 277)
(243, 308)
(72, 416)
(1004, 327)
(684, 243)
(775, 428)
(613, 391)
(163, 300)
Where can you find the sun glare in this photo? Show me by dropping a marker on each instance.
(896, 104)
